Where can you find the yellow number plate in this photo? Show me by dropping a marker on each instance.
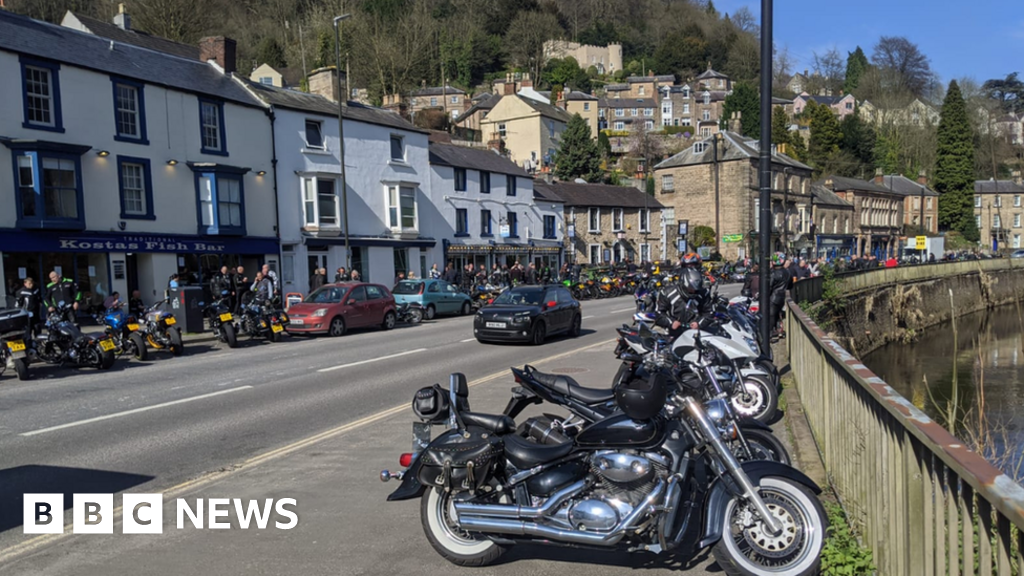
(276, 328)
(106, 345)
(133, 327)
(226, 317)
(171, 321)
(16, 345)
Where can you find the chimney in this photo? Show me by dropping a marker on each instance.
(735, 123)
(922, 178)
(122, 20)
(219, 49)
(324, 82)
(526, 82)
(423, 83)
(510, 88)
(879, 177)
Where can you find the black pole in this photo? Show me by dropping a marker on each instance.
(765, 166)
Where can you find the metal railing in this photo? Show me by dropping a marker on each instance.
(923, 503)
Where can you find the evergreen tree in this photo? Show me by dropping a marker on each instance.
(859, 143)
(826, 136)
(954, 163)
(578, 156)
(797, 149)
(780, 126)
(856, 65)
(271, 53)
(745, 100)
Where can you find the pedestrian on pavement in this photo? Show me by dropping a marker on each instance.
(30, 299)
(272, 276)
(531, 274)
(62, 289)
(341, 275)
(317, 280)
(434, 272)
(241, 284)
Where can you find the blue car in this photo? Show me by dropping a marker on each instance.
(435, 296)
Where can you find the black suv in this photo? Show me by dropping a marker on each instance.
(529, 314)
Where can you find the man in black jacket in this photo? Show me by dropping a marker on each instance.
(779, 284)
(318, 279)
(673, 311)
(240, 286)
(30, 299)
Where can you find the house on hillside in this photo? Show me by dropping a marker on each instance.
(606, 59)
(452, 101)
(833, 226)
(575, 102)
(998, 206)
(842, 106)
(527, 129)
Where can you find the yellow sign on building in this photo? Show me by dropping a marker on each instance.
(921, 241)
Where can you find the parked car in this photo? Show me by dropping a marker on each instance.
(335, 308)
(1017, 254)
(529, 314)
(435, 296)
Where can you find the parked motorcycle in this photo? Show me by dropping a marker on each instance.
(14, 326)
(123, 329)
(160, 329)
(260, 320)
(656, 477)
(410, 312)
(222, 322)
(64, 343)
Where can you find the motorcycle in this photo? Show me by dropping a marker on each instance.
(14, 326)
(409, 312)
(222, 321)
(657, 477)
(64, 343)
(160, 329)
(260, 320)
(123, 329)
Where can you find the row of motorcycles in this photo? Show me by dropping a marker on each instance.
(675, 456)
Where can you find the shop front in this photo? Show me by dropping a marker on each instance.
(459, 255)
(546, 255)
(835, 246)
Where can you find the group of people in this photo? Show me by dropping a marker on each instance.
(234, 286)
(470, 276)
(319, 277)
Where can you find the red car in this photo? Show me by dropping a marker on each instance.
(334, 308)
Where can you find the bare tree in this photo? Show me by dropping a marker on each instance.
(178, 20)
(646, 147)
(526, 37)
(745, 21)
(393, 53)
(782, 68)
(830, 69)
(54, 10)
(903, 65)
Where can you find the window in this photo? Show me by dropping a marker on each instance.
(999, 202)
(686, 92)
(686, 122)
(600, 112)
(648, 111)
(586, 106)
(645, 252)
(401, 208)
(49, 190)
(401, 259)
(620, 126)
(136, 184)
(1016, 220)
(551, 128)
(549, 227)
(849, 105)
(649, 124)
(1016, 201)
(917, 203)
(513, 225)
(705, 131)
(1016, 240)
(455, 99)
(41, 95)
(686, 108)
(510, 185)
(996, 221)
(620, 112)
(211, 127)
(485, 223)
(617, 219)
(846, 225)
(460, 179)
(644, 218)
(220, 197)
(266, 80)
(666, 108)
(433, 101)
(707, 98)
(485, 182)
(928, 203)
(641, 91)
(632, 112)
(707, 115)
(129, 112)
(595, 253)
(461, 222)
(501, 130)
(397, 151)
(455, 114)
(315, 135)
(977, 201)
(977, 220)
(594, 219)
(319, 202)
(928, 222)
(699, 147)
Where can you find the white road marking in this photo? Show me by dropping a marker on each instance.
(407, 352)
(134, 411)
(585, 317)
(631, 308)
(466, 340)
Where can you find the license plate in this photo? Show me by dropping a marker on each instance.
(106, 345)
(171, 321)
(16, 345)
(133, 327)
(420, 436)
(298, 322)
(495, 324)
(276, 328)
(226, 317)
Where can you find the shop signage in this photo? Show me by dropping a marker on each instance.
(36, 241)
(732, 238)
(505, 230)
(921, 241)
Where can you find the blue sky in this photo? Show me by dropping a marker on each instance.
(979, 38)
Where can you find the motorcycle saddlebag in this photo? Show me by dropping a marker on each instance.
(13, 321)
(431, 403)
(461, 460)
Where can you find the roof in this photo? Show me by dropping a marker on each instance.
(473, 158)
(826, 100)
(844, 183)
(547, 110)
(616, 87)
(709, 73)
(781, 101)
(577, 95)
(825, 197)
(488, 104)
(660, 78)
(629, 103)
(549, 197)
(481, 97)
(295, 100)
(138, 38)
(906, 186)
(733, 147)
(997, 187)
(436, 91)
(603, 195)
(65, 45)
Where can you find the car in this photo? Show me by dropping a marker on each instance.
(333, 309)
(435, 296)
(1017, 254)
(529, 314)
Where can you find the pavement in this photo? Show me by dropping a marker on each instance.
(309, 419)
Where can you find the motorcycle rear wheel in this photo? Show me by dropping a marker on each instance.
(177, 346)
(139, 350)
(228, 334)
(454, 545)
(21, 368)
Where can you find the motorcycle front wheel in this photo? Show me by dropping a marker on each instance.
(751, 550)
(759, 399)
(437, 514)
(139, 350)
(227, 332)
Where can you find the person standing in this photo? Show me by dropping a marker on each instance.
(341, 275)
(262, 289)
(531, 274)
(435, 274)
(317, 280)
(399, 278)
(30, 300)
(275, 288)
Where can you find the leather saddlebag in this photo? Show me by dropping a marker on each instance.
(461, 460)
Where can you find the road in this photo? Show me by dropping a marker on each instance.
(257, 420)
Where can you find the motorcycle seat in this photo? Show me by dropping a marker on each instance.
(496, 423)
(568, 386)
(524, 454)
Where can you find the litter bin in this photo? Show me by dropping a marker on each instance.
(186, 303)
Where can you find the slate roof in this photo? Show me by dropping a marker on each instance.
(481, 97)
(577, 95)
(906, 186)
(826, 100)
(844, 183)
(436, 91)
(603, 195)
(659, 78)
(547, 110)
(295, 100)
(34, 38)
(826, 197)
(709, 73)
(997, 187)
(732, 147)
(474, 158)
(486, 105)
(616, 87)
(549, 197)
(629, 103)
(138, 38)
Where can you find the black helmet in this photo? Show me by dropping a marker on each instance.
(640, 398)
(690, 280)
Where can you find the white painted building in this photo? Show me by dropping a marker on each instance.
(387, 181)
(127, 164)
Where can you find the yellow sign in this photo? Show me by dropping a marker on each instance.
(921, 241)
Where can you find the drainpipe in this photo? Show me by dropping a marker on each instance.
(277, 212)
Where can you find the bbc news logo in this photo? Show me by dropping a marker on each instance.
(144, 513)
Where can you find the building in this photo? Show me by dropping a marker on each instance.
(711, 79)
(528, 129)
(486, 213)
(1011, 128)
(833, 229)
(606, 59)
(798, 83)
(266, 74)
(920, 204)
(687, 181)
(623, 114)
(607, 224)
(575, 102)
(916, 113)
(877, 214)
(129, 164)
(842, 106)
(120, 30)
(997, 211)
(452, 100)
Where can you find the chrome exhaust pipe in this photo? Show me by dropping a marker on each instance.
(520, 528)
(501, 511)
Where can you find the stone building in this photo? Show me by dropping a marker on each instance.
(920, 203)
(607, 224)
(581, 103)
(622, 114)
(687, 183)
(877, 214)
(606, 59)
(452, 100)
(833, 227)
(997, 211)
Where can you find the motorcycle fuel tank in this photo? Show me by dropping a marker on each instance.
(620, 430)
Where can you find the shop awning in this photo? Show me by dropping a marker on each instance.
(55, 241)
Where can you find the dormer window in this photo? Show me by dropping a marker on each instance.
(699, 147)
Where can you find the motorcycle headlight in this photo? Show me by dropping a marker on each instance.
(751, 342)
(321, 312)
(716, 409)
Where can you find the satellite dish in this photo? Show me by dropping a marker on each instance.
(579, 181)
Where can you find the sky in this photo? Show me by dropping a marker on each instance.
(982, 39)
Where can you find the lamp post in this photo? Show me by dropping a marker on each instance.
(342, 103)
(765, 168)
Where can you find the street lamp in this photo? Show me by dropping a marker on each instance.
(342, 103)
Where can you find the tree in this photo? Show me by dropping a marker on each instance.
(604, 145)
(1008, 92)
(780, 126)
(578, 155)
(53, 10)
(702, 236)
(270, 52)
(828, 71)
(645, 146)
(681, 53)
(526, 36)
(826, 137)
(567, 73)
(745, 100)
(859, 143)
(856, 65)
(903, 65)
(954, 159)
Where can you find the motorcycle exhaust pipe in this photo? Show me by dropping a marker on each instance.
(547, 509)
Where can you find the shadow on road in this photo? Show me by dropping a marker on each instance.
(38, 479)
(643, 561)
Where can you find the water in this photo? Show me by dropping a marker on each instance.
(989, 365)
